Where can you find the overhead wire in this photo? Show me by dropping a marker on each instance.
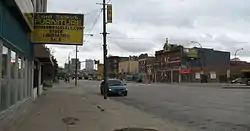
(95, 22)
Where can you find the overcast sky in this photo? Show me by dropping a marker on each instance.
(141, 26)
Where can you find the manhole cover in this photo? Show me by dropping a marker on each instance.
(134, 129)
(70, 120)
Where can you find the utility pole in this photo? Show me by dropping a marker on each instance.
(76, 64)
(105, 50)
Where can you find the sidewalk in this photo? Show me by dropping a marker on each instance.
(65, 108)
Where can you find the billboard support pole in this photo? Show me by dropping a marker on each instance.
(76, 63)
(105, 50)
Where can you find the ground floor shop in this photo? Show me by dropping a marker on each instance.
(16, 65)
(204, 75)
(16, 80)
(167, 76)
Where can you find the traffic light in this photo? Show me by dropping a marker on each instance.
(97, 62)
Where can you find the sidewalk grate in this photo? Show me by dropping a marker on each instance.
(70, 120)
(134, 129)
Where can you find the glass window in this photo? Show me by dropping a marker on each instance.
(20, 67)
(12, 64)
(4, 61)
(3, 86)
(13, 85)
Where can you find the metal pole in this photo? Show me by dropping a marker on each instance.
(68, 63)
(76, 63)
(105, 50)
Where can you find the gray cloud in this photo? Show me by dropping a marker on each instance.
(142, 25)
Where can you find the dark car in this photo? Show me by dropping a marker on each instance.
(115, 87)
(237, 80)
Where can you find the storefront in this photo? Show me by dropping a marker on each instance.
(187, 75)
(16, 64)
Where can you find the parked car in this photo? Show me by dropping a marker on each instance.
(237, 80)
(115, 87)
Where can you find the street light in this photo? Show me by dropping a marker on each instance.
(236, 51)
(201, 63)
(195, 42)
(235, 54)
(76, 63)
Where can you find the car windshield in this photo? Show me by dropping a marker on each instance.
(114, 83)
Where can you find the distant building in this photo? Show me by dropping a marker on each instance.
(237, 66)
(113, 65)
(128, 67)
(89, 65)
(145, 63)
(73, 63)
(178, 64)
(66, 66)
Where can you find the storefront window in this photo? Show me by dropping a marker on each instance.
(14, 82)
(20, 82)
(4, 61)
(3, 86)
(12, 64)
(19, 68)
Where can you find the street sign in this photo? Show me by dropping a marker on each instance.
(109, 13)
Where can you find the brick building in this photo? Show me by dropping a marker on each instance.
(237, 67)
(145, 62)
(208, 65)
(178, 64)
(167, 64)
(113, 65)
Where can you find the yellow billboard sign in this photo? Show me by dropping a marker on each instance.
(58, 28)
(109, 13)
(100, 69)
(193, 53)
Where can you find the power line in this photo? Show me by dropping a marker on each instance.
(91, 12)
(125, 38)
(95, 22)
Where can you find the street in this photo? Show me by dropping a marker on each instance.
(193, 107)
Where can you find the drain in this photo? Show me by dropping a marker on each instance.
(134, 129)
(70, 120)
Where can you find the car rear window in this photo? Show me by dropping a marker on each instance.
(114, 83)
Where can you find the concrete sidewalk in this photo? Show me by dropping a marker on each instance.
(67, 108)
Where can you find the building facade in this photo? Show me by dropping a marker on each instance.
(74, 64)
(113, 65)
(18, 60)
(89, 65)
(178, 64)
(167, 65)
(16, 76)
(208, 65)
(128, 67)
(144, 64)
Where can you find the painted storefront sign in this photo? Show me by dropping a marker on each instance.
(58, 28)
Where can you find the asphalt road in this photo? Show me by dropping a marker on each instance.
(200, 107)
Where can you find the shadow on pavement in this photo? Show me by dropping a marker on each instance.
(235, 87)
(134, 129)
